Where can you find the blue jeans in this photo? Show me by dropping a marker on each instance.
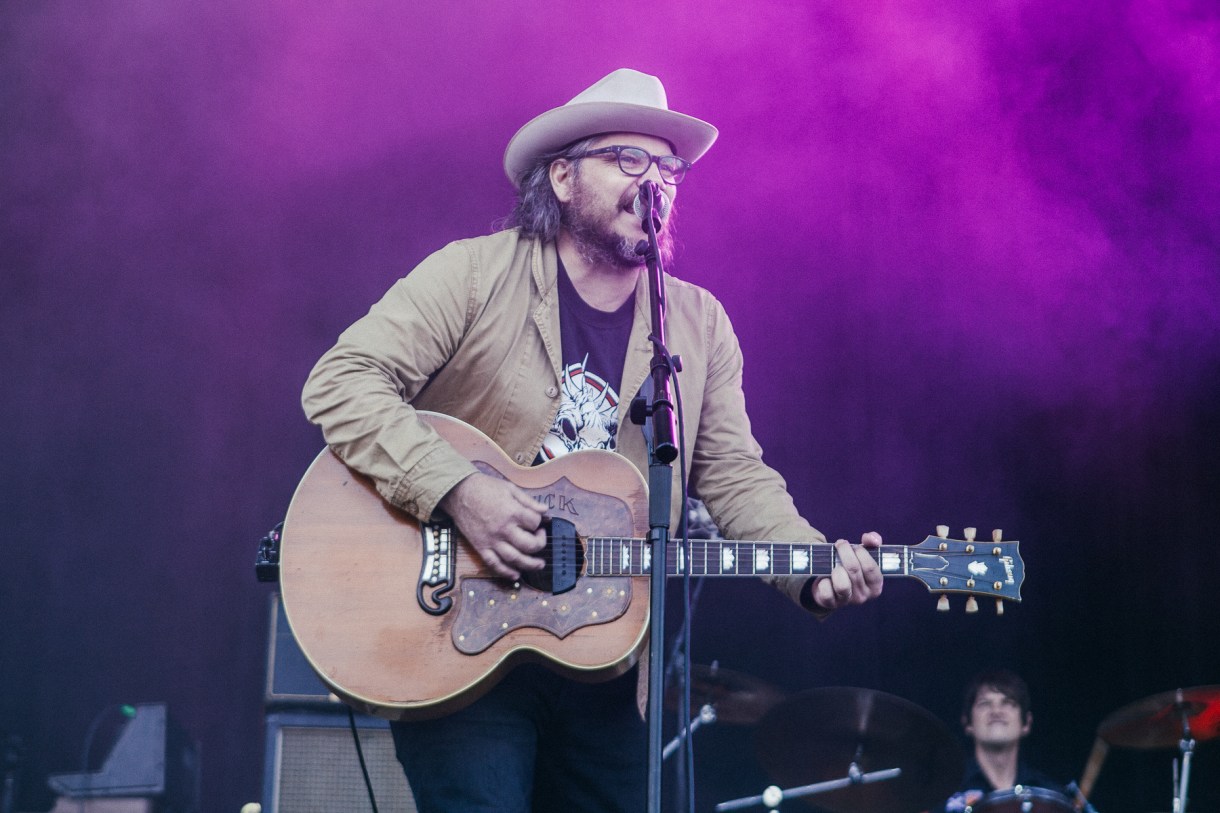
(536, 743)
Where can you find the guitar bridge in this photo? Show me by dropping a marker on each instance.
(436, 568)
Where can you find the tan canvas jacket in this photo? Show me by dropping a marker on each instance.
(473, 332)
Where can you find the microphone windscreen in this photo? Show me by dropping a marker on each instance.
(662, 204)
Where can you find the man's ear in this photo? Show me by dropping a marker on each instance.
(1029, 721)
(969, 729)
(562, 173)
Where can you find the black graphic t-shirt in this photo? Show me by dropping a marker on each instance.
(594, 345)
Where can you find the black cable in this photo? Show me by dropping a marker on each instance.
(368, 784)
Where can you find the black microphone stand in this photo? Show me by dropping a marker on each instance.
(659, 415)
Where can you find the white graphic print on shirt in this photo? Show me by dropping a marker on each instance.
(588, 414)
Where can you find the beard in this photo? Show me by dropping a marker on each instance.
(591, 226)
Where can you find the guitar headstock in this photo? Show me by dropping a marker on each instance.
(992, 569)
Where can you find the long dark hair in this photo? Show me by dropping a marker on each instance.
(536, 212)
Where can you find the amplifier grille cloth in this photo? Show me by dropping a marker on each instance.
(319, 772)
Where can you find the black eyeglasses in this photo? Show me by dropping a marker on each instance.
(635, 161)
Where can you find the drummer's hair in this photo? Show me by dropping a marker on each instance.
(1003, 681)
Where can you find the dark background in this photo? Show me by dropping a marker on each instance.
(970, 250)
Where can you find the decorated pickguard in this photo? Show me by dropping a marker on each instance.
(489, 609)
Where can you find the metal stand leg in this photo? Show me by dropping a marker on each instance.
(707, 716)
(1181, 784)
(773, 795)
(1186, 746)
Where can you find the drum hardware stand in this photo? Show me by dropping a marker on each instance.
(772, 796)
(1186, 746)
(1181, 716)
(707, 716)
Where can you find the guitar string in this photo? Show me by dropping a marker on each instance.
(781, 551)
(606, 559)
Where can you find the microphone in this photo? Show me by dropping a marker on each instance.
(660, 201)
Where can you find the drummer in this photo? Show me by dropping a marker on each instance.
(996, 716)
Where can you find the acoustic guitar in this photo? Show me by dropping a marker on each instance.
(402, 620)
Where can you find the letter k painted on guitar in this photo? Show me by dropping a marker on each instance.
(558, 502)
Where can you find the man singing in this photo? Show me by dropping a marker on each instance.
(538, 336)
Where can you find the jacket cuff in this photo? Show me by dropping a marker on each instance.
(418, 494)
(805, 599)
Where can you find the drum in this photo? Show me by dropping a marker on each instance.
(1023, 800)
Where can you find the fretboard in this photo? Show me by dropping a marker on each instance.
(622, 556)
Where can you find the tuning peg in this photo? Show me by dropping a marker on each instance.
(969, 533)
(942, 605)
(999, 606)
(972, 606)
(942, 531)
(997, 535)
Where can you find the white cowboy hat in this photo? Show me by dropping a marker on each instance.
(626, 101)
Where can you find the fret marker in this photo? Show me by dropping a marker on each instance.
(762, 561)
(890, 562)
(626, 558)
(800, 561)
(726, 560)
(681, 559)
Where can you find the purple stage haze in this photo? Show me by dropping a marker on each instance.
(970, 249)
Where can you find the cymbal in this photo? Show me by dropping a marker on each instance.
(815, 736)
(1156, 722)
(738, 698)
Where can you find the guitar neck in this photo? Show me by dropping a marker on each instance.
(616, 556)
(943, 565)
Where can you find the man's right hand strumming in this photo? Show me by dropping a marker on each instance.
(500, 521)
